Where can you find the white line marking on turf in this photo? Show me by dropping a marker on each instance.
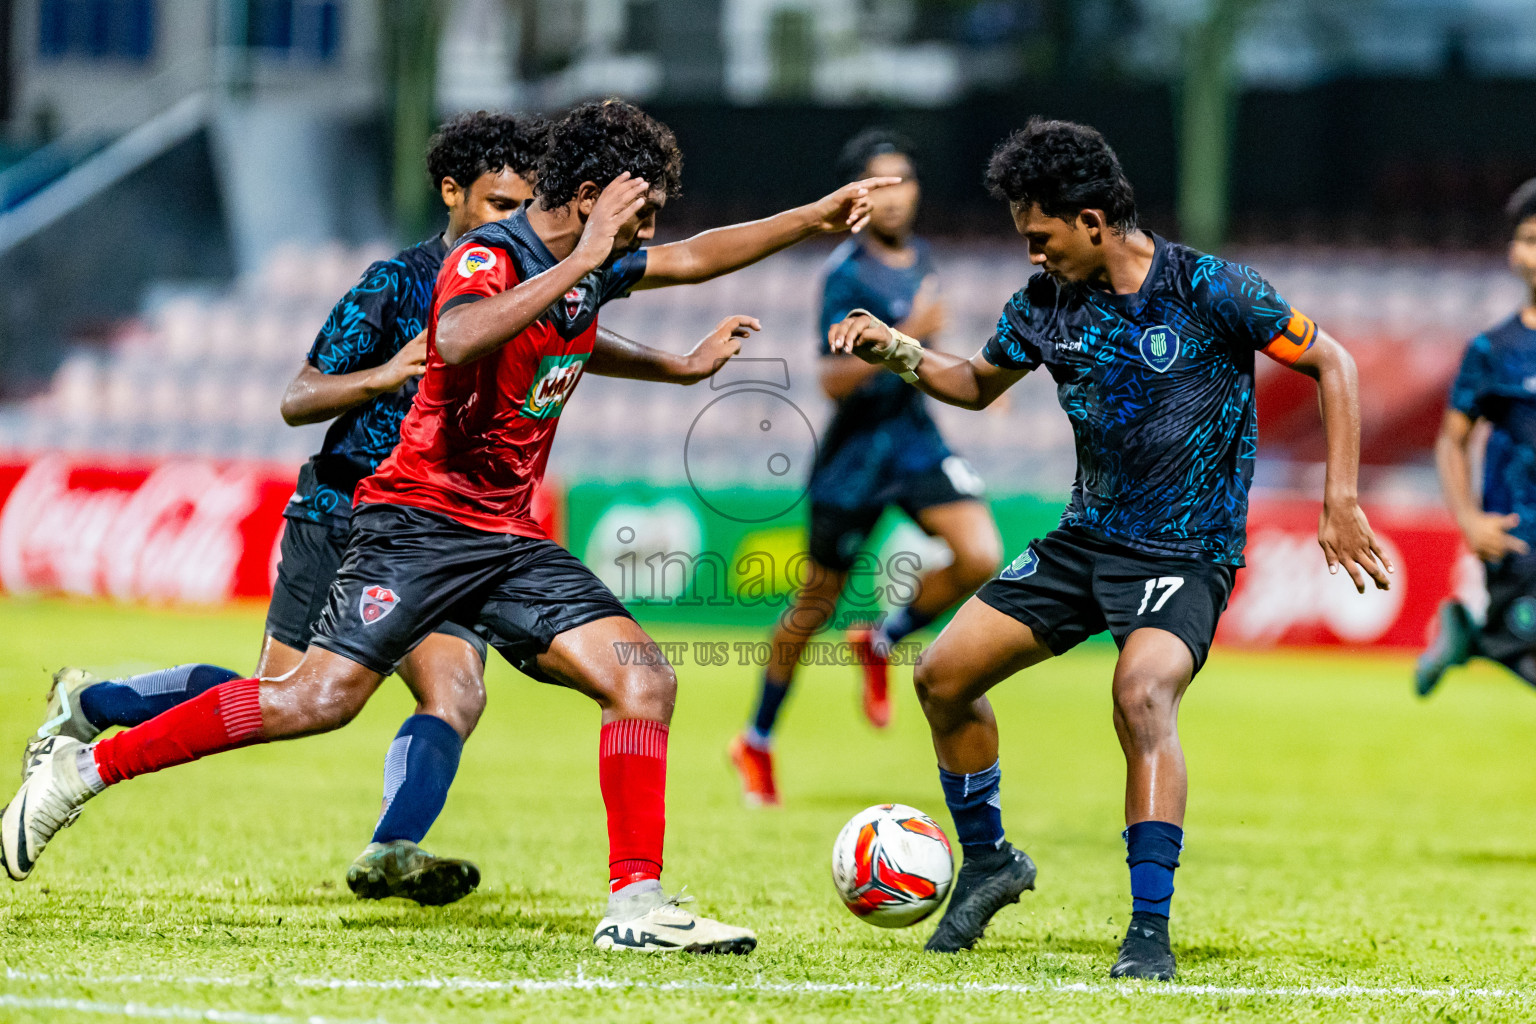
(156, 1012)
(582, 983)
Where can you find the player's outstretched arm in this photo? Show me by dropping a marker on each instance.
(314, 396)
(1342, 531)
(476, 329)
(722, 250)
(1487, 534)
(972, 383)
(616, 356)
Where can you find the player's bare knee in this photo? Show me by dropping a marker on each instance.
(976, 562)
(1145, 706)
(642, 691)
(940, 693)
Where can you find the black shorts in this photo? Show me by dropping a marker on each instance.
(1509, 632)
(838, 533)
(407, 570)
(1068, 585)
(311, 554)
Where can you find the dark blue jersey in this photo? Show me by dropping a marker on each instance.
(1497, 383)
(373, 321)
(882, 431)
(1158, 386)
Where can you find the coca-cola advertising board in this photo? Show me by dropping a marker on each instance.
(1287, 596)
(184, 530)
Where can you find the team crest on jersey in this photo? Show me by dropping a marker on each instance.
(1024, 565)
(573, 302)
(552, 384)
(475, 259)
(376, 603)
(1159, 347)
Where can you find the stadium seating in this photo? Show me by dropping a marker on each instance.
(203, 372)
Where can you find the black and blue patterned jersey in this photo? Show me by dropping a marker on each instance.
(1497, 383)
(388, 307)
(1158, 386)
(882, 430)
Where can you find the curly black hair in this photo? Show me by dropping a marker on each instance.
(1065, 168)
(1521, 206)
(470, 145)
(868, 144)
(597, 142)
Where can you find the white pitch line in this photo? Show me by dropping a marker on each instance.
(582, 983)
(156, 1012)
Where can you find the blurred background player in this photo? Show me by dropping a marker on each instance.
(1496, 385)
(1152, 348)
(361, 373)
(881, 449)
(445, 527)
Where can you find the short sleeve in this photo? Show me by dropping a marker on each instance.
(621, 275)
(1473, 383)
(1249, 313)
(840, 295)
(1013, 345)
(354, 335)
(472, 272)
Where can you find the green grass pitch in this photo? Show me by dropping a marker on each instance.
(1353, 854)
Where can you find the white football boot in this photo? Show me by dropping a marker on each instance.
(653, 922)
(49, 800)
(64, 717)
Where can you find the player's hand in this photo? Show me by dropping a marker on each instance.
(857, 335)
(849, 207)
(1347, 540)
(720, 345)
(1489, 538)
(928, 314)
(408, 363)
(617, 203)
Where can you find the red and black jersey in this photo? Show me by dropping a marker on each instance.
(476, 441)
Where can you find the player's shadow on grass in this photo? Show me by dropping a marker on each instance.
(482, 911)
(1511, 858)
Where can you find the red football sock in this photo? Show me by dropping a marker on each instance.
(632, 770)
(223, 718)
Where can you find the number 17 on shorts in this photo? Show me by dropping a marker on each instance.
(1159, 590)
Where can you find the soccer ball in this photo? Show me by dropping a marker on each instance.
(892, 865)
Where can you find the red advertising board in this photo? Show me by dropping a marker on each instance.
(188, 530)
(1287, 596)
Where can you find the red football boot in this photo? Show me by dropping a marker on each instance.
(877, 695)
(754, 766)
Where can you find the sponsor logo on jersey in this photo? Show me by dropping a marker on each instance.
(475, 259)
(376, 603)
(1024, 565)
(1159, 347)
(552, 384)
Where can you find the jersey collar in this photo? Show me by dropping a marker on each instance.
(539, 257)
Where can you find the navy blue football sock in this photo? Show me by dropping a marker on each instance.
(136, 699)
(975, 802)
(1152, 850)
(418, 770)
(769, 700)
(903, 622)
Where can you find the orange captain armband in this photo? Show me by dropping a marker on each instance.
(1292, 342)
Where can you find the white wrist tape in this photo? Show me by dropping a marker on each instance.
(902, 355)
